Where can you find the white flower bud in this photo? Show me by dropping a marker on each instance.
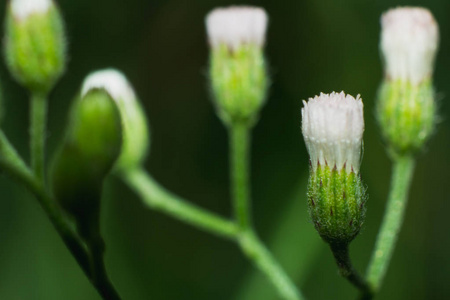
(236, 25)
(333, 126)
(134, 122)
(23, 8)
(409, 41)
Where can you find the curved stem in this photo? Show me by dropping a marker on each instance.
(239, 153)
(14, 166)
(37, 134)
(263, 260)
(346, 269)
(158, 198)
(387, 237)
(251, 246)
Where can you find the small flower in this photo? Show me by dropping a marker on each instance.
(35, 43)
(134, 121)
(237, 67)
(409, 41)
(333, 126)
(236, 25)
(406, 108)
(21, 9)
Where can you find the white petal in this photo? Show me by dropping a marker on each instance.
(333, 126)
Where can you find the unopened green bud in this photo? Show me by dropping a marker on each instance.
(333, 126)
(237, 67)
(88, 152)
(406, 108)
(35, 45)
(136, 135)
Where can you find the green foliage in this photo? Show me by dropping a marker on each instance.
(35, 49)
(406, 114)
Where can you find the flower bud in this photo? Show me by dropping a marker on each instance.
(333, 126)
(134, 122)
(90, 149)
(406, 107)
(237, 68)
(35, 45)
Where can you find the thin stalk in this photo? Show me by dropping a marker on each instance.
(393, 218)
(158, 198)
(342, 256)
(99, 274)
(38, 121)
(239, 160)
(250, 244)
(13, 165)
(263, 260)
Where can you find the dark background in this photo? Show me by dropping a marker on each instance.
(313, 46)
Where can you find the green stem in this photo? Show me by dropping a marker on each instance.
(251, 246)
(37, 134)
(239, 153)
(387, 237)
(158, 198)
(346, 269)
(98, 269)
(263, 260)
(14, 166)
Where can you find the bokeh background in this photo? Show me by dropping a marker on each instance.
(313, 46)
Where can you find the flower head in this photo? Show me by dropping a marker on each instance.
(409, 41)
(333, 126)
(134, 122)
(23, 8)
(236, 25)
(35, 43)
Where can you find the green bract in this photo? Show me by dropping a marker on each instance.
(89, 151)
(35, 48)
(406, 114)
(336, 201)
(239, 82)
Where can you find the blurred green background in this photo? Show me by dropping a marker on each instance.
(313, 46)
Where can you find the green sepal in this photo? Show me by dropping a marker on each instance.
(239, 82)
(136, 135)
(35, 49)
(91, 147)
(406, 114)
(336, 201)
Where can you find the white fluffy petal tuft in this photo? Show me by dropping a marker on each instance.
(113, 81)
(21, 9)
(333, 126)
(409, 42)
(236, 25)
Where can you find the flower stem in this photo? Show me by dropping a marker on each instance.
(13, 165)
(250, 244)
(239, 160)
(346, 269)
(263, 260)
(387, 237)
(37, 134)
(158, 198)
